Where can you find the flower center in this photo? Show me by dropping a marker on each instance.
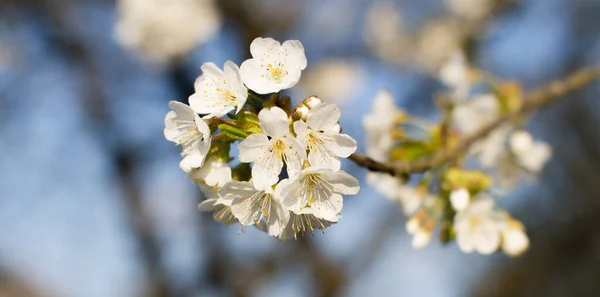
(188, 134)
(276, 72)
(313, 188)
(306, 222)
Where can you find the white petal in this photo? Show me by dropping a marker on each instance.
(301, 128)
(207, 205)
(277, 219)
(290, 79)
(254, 77)
(343, 145)
(236, 189)
(261, 46)
(514, 242)
(421, 239)
(465, 242)
(487, 239)
(253, 147)
(213, 173)
(195, 157)
(171, 130)
(295, 52)
(232, 75)
(327, 207)
(274, 122)
(323, 117)
(285, 191)
(342, 182)
(266, 170)
(294, 157)
(211, 69)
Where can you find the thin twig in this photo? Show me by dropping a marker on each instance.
(532, 101)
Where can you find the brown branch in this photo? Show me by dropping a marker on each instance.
(532, 101)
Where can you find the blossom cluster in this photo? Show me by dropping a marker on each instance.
(457, 198)
(295, 184)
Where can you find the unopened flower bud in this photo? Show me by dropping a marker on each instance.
(312, 101)
(300, 112)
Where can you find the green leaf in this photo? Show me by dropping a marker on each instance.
(231, 133)
(472, 180)
(411, 150)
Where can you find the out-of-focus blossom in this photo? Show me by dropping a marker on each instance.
(436, 42)
(530, 154)
(164, 30)
(378, 125)
(274, 66)
(218, 91)
(456, 75)
(320, 136)
(478, 226)
(514, 239)
(334, 80)
(386, 33)
(470, 9)
(184, 127)
(421, 226)
(460, 199)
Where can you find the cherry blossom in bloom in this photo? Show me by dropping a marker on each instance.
(274, 66)
(213, 173)
(460, 199)
(318, 188)
(184, 127)
(218, 91)
(320, 135)
(270, 149)
(252, 206)
(478, 226)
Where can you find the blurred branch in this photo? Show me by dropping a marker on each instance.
(532, 101)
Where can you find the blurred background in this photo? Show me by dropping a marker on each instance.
(93, 203)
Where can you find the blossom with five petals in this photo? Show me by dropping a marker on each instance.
(274, 66)
(218, 91)
(478, 226)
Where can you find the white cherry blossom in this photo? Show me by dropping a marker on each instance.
(218, 91)
(478, 226)
(305, 221)
(320, 135)
(530, 154)
(378, 125)
(252, 206)
(318, 188)
(184, 127)
(221, 207)
(274, 66)
(270, 149)
(213, 173)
